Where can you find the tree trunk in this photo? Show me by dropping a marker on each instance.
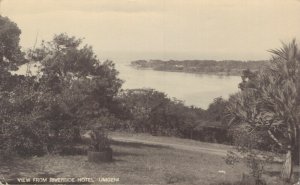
(287, 169)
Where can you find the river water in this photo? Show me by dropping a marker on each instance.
(193, 89)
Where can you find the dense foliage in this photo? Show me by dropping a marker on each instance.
(71, 91)
(15, 125)
(269, 103)
(153, 112)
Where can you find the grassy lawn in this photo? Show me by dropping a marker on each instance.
(169, 140)
(134, 163)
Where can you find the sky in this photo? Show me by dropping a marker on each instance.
(162, 29)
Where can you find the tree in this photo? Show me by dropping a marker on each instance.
(16, 95)
(72, 89)
(76, 89)
(11, 55)
(272, 104)
(10, 50)
(24, 133)
(10, 58)
(139, 104)
(153, 112)
(216, 110)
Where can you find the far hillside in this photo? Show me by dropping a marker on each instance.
(225, 67)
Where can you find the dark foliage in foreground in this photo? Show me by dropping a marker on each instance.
(71, 91)
(268, 105)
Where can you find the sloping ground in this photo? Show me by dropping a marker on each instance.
(208, 150)
(134, 163)
(178, 143)
(272, 170)
(167, 140)
(139, 163)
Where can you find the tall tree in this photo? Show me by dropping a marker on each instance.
(17, 95)
(271, 104)
(216, 110)
(11, 55)
(75, 86)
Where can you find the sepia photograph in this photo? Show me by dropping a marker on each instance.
(150, 92)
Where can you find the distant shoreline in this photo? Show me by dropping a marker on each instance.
(197, 73)
(204, 67)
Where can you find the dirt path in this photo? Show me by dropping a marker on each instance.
(220, 152)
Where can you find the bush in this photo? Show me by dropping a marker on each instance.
(153, 112)
(247, 144)
(25, 138)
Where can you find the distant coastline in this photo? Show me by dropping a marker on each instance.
(211, 67)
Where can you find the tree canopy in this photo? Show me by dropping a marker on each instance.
(76, 88)
(10, 50)
(11, 55)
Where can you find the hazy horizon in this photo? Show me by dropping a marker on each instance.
(162, 29)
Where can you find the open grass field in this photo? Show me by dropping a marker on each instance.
(136, 163)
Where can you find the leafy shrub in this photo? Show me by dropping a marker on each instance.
(25, 138)
(247, 144)
(153, 112)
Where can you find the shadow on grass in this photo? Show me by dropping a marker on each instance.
(16, 166)
(19, 167)
(122, 154)
(137, 145)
